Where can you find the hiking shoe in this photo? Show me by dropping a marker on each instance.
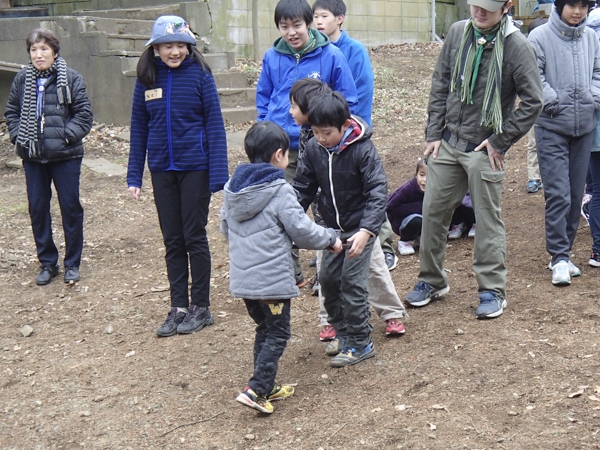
(560, 273)
(472, 231)
(174, 318)
(279, 392)
(423, 293)
(391, 260)
(249, 398)
(533, 186)
(456, 231)
(405, 248)
(490, 305)
(394, 327)
(71, 274)
(195, 319)
(574, 271)
(335, 347)
(594, 259)
(315, 286)
(585, 208)
(300, 280)
(327, 333)
(350, 356)
(46, 274)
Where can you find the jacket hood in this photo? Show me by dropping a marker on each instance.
(564, 31)
(251, 188)
(359, 129)
(321, 40)
(593, 20)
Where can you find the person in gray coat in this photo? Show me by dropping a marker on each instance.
(260, 218)
(568, 56)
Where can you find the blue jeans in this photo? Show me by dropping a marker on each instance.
(65, 176)
(595, 202)
(272, 333)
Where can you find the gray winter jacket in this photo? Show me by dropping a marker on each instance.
(260, 218)
(569, 62)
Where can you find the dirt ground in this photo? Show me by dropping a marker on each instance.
(93, 373)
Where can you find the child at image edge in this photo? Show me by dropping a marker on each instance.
(342, 161)
(260, 218)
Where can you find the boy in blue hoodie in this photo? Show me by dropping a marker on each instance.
(260, 218)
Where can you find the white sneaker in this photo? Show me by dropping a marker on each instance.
(456, 231)
(560, 273)
(574, 271)
(405, 248)
(472, 231)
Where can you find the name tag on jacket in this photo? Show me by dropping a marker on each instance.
(153, 94)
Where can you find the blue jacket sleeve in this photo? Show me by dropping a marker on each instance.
(139, 137)
(218, 171)
(360, 65)
(341, 78)
(264, 89)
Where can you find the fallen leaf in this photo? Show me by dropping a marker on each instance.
(131, 353)
(594, 398)
(432, 426)
(576, 394)
(444, 407)
(159, 288)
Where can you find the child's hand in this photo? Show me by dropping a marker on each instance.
(135, 192)
(358, 240)
(337, 247)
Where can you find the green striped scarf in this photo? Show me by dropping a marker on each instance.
(466, 69)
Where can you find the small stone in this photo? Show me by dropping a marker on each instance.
(15, 164)
(513, 413)
(98, 398)
(26, 331)
(250, 437)
(324, 376)
(109, 329)
(459, 331)
(85, 414)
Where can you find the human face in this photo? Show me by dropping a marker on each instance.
(486, 19)
(329, 137)
(325, 21)
(299, 117)
(42, 56)
(172, 53)
(573, 15)
(280, 159)
(294, 32)
(421, 177)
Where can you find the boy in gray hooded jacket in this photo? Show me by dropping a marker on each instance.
(260, 218)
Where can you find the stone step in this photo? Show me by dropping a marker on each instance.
(128, 42)
(91, 24)
(231, 80)
(231, 98)
(149, 13)
(239, 115)
(218, 62)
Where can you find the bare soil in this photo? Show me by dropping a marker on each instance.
(93, 374)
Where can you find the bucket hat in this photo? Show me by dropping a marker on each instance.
(488, 5)
(171, 29)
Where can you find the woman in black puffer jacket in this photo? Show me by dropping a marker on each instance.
(48, 115)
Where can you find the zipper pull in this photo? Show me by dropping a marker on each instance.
(42, 122)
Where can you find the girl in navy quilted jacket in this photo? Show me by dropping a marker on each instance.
(176, 122)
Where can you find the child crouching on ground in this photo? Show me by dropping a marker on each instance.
(260, 218)
(342, 161)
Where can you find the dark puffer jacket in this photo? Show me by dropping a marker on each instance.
(352, 181)
(64, 128)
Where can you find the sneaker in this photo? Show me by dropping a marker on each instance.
(46, 274)
(350, 356)
(574, 271)
(394, 327)
(585, 212)
(490, 305)
(533, 186)
(174, 318)
(279, 392)
(300, 280)
(560, 273)
(594, 259)
(456, 231)
(423, 293)
(195, 319)
(472, 231)
(249, 398)
(327, 333)
(405, 248)
(71, 274)
(391, 260)
(334, 347)
(315, 286)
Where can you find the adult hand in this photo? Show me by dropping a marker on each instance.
(136, 192)
(358, 240)
(431, 148)
(496, 159)
(337, 247)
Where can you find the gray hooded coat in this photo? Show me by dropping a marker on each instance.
(260, 218)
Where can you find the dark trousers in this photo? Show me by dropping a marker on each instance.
(412, 230)
(595, 202)
(182, 200)
(563, 164)
(463, 214)
(272, 333)
(65, 176)
(344, 284)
